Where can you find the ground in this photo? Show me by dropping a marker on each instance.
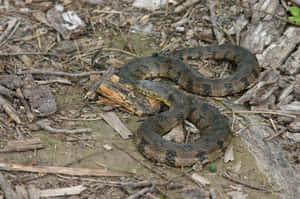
(117, 32)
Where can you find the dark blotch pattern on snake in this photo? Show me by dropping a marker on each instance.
(214, 127)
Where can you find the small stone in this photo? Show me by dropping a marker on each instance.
(295, 126)
(107, 147)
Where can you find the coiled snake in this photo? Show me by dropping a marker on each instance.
(216, 133)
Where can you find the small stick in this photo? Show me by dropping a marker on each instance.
(14, 25)
(229, 177)
(141, 192)
(278, 133)
(106, 75)
(59, 73)
(212, 4)
(29, 114)
(28, 53)
(60, 81)
(63, 170)
(119, 50)
(287, 114)
(185, 5)
(43, 124)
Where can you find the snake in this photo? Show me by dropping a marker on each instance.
(215, 130)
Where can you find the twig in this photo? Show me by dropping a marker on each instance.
(29, 114)
(28, 53)
(167, 8)
(106, 75)
(59, 73)
(287, 114)
(211, 5)
(60, 81)
(278, 133)
(62, 170)
(141, 192)
(14, 25)
(119, 50)
(43, 124)
(229, 177)
(185, 5)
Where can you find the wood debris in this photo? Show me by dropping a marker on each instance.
(23, 145)
(61, 170)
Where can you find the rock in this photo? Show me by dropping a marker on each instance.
(295, 126)
(294, 106)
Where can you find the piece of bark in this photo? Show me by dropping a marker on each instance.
(278, 52)
(62, 170)
(128, 98)
(266, 86)
(264, 28)
(292, 66)
(113, 120)
(41, 100)
(23, 145)
(229, 155)
(9, 109)
(68, 191)
(200, 180)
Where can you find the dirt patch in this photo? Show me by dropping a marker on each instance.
(36, 49)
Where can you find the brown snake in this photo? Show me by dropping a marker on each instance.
(214, 127)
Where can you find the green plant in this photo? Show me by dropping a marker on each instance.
(295, 18)
(212, 168)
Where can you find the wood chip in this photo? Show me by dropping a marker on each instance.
(113, 120)
(23, 145)
(229, 155)
(200, 180)
(75, 190)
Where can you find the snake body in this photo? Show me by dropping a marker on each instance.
(216, 133)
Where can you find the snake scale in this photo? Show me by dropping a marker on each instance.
(214, 127)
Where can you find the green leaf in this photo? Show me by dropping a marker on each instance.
(292, 19)
(213, 168)
(161, 196)
(295, 20)
(295, 11)
(154, 54)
